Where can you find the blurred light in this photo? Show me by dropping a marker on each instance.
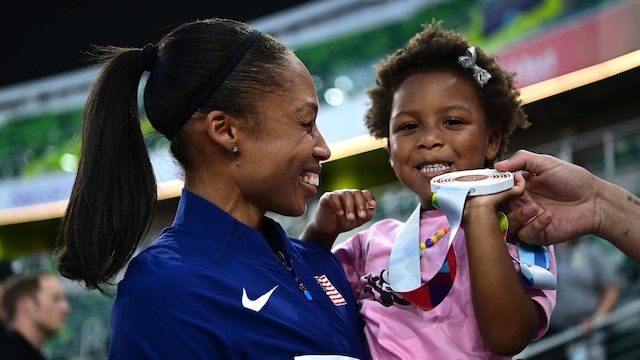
(344, 83)
(355, 145)
(27, 156)
(334, 96)
(31, 213)
(52, 210)
(170, 189)
(578, 78)
(317, 81)
(68, 162)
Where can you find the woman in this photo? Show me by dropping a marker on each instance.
(223, 281)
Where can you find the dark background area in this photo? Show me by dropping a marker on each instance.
(47, 37)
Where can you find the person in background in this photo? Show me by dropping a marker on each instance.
(588, 289)
(443, 106)
(223, 281)
(37, 309)
(564, 201)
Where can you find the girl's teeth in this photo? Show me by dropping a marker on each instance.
(434, 167)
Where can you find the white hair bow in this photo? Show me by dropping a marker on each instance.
(468, 61)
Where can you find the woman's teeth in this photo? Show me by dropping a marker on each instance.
(313, 180)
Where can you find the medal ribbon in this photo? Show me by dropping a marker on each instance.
(404, 261)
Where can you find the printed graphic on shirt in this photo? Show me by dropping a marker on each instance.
(426, 297)
(381, 291)
(330, 290)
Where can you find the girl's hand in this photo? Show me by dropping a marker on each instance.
(344, 210)
(339, 211)
(497, 202)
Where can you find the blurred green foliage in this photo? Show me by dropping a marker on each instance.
(34, 145)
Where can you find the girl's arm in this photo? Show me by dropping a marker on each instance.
(507, 317)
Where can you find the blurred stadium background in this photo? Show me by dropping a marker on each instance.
(578, 66)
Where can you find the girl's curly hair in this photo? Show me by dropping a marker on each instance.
(435, 49)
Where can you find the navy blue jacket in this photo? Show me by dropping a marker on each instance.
(210, 288)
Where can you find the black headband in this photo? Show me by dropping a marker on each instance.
(217, 81)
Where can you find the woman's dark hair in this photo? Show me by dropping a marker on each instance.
(435, 49)
(114, 196)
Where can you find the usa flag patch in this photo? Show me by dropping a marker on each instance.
(331, 291)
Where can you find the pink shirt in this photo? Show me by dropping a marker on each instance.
(399, 331)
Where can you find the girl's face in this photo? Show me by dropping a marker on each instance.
(438, 126)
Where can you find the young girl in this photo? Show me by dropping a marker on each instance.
(444, 106)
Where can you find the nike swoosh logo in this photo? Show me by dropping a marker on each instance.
(257, 304)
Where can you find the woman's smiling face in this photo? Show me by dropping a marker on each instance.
(281, 166)
(437, 126)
